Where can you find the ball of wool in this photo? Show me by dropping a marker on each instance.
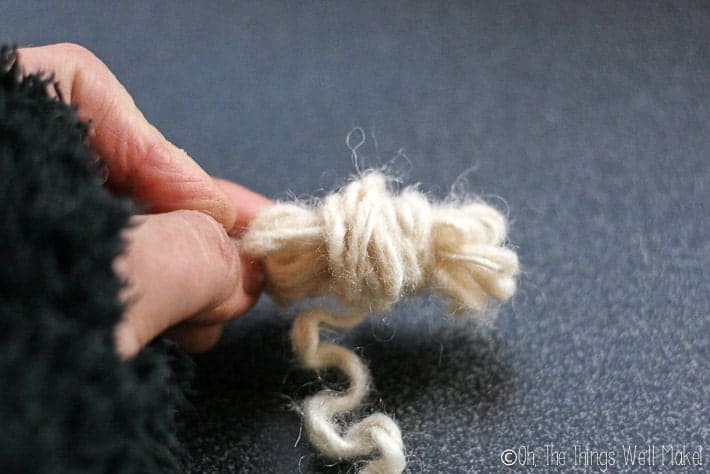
(369, 246)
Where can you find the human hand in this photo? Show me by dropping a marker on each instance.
(183, 270)
(186, 276)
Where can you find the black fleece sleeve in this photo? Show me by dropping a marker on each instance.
(67, 402)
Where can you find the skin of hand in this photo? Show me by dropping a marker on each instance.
(182, 264)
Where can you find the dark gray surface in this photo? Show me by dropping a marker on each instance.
(591, 121)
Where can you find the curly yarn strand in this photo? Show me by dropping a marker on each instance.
(377, 432)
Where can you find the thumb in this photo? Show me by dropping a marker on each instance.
(178, 266)
(139, 158)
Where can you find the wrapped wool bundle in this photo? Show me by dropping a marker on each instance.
(369, 247)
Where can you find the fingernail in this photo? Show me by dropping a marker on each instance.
(236, 229)
(227, 215)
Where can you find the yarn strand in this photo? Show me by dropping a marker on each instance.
(377, 432)
(369, 247)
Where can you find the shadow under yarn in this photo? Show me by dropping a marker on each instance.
(248, 385)
(425, 368)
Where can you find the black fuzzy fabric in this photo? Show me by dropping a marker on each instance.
(67, 402)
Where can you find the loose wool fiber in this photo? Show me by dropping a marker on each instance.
(369, 247)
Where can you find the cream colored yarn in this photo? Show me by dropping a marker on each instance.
(370, 247)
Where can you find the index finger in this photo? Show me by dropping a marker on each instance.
(247, 202)
(139, 158)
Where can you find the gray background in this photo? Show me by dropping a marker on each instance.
(589, 122)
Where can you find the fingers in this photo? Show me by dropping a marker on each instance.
(248, 204)
(139, 158)
(179, 266)
(245, 200)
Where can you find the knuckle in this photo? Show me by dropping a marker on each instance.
(77, 51)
